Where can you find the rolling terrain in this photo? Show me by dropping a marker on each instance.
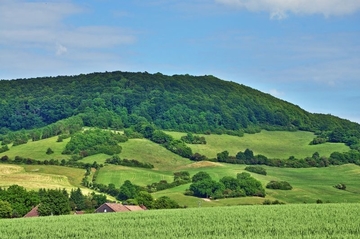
(309, 184)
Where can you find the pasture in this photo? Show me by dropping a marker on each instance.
(37, 149)
(272, 144)
(276, 221)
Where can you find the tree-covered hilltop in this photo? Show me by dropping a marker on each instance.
(179, 102)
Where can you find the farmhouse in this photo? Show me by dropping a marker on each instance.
(33, 212)
(117, 207)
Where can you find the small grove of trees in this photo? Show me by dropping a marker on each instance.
(16, 201)
(193, 139)
(243, 185)
(256, 169)
(182, 177)
(128, 162)
(248, 157)
(281, 185)
(340, 186)
(93, 142)
(133, 194)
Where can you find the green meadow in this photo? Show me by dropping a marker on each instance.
(272, 144)
(37, 149)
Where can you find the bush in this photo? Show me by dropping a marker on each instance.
(256, 169)
(281, 185)
(340, 186)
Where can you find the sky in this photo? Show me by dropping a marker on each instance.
(306, 52)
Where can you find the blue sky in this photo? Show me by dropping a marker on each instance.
(306, 52)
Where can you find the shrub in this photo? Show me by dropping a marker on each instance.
(340, 186)
(282, 185)
(256, 169)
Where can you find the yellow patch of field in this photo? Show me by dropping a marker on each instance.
(202, 164)
(10, 169)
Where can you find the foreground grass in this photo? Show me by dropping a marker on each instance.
(280, 221)
(272, 144)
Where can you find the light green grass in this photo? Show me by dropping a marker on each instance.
(147, 151)
(272, 144)
(309, 184)
(298, 221)
(118, 174)
(37, 149)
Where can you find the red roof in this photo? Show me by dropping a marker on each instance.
(117, 207)
(33, 213)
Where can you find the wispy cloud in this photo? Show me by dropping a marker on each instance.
(280, 9)
(39, 30)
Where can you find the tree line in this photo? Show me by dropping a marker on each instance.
(16, 201)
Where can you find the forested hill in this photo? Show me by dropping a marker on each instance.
(178, 102)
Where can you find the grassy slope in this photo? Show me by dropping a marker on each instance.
(40, 176)
(309, 184)
(37, 149)
(273, 144)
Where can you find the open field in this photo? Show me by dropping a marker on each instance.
(34, 177)
(118, 174)
(277, 221)
(309, 184)
(272, 144)
(37, 149)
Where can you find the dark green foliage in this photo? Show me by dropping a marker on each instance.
(340, 186)
(243, 185)
(182, 177)
(256, 169)
(165, 202)
(200, 176)
(20, 199)
(198, 157)
(49, 151)
(129, 163)
(250, 185)
(145, 198)
(281, 185)
(179, 102)
(207, 188)
(161, 138)
(269, 202)
(127, 191)
(4, 148)
(77, 200)
(193, 139)
(5, 209)
(54, 202)
(95, 141)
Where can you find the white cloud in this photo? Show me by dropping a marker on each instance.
(60, 49)
(275, 92)
(39, 30)
(280, 8)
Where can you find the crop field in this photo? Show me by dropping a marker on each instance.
(41, 176)
(276, 221)
(272, 144)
